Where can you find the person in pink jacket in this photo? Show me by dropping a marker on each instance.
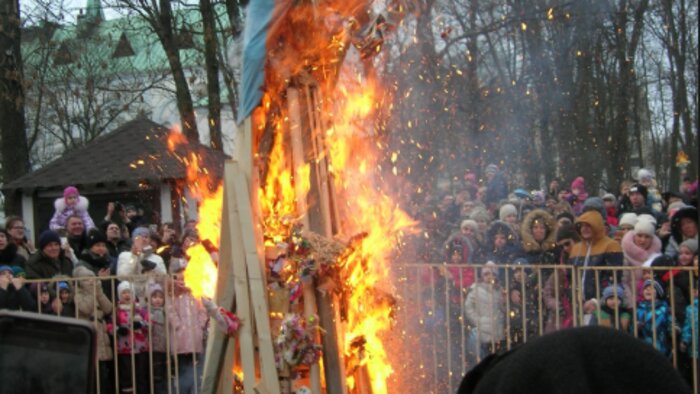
(188, 322)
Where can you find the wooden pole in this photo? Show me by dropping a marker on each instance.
(256, 281)
(297, 162)
(333, 364)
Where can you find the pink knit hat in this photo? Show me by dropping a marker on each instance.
(578, 183)
(70, 191)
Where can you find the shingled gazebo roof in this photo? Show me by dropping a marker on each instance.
(134, 152)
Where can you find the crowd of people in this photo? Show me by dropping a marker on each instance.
(540, 255)
(122, 274)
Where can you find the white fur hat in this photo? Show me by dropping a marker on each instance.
(645, 227)
(647, 218)
(629, 219)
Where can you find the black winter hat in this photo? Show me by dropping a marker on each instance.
(567, 231)
(639, 188)
(47, 237)
(95, 236)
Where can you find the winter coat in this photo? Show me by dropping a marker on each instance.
(508, 253)
(635, 256)
(93, 305)
(557, 301)
(544, 252)
(10, 256)
(657, 320)
(130, 264)
(485, 312)
(188, 321)
(128, 327)
(158, 327)
(497, 189)
(15, 299)
(676, 233)
(41, 266)
(687, 330)
(461, 277)
(682, 297)
(95, 263)
(606, 317)
(602, 251)
(63, 212)
(530, 303)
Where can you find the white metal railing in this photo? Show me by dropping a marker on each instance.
(440, 300)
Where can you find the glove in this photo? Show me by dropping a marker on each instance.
(122, 331)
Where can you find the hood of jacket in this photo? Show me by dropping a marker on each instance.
(82, 205)
(528, 239)
(595, 220)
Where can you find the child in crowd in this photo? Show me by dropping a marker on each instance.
(485, 315)
(654, 320)
(613, 313)
(159, 348)
(71, 204)
(45, 301)
(690, 331)
(524, 300)
(189, 320)
(64, 304)
(132, 340)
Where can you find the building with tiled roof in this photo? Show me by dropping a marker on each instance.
(131, 164)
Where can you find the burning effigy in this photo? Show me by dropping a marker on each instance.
(322, 228)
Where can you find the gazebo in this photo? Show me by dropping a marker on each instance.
(131, 165)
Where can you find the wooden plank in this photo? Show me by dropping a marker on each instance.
(240, 275)
(297, 153)
(298, 161)
(256, 281)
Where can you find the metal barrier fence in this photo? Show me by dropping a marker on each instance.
(150, 342)
(461, 317)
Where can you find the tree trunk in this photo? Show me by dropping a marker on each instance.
(15, 153)
(212, 66)
(166, 34)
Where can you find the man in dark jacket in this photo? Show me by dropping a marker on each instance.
(51, 259)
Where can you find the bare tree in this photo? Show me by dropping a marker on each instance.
(15, 153)
(161, 19)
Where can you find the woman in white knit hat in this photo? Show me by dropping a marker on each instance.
(639, 246)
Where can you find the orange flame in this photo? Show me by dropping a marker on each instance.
(368, 210)
(201, 271)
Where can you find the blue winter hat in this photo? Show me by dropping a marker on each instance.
(7, 268)
(659, 289)
(613, 291)
(140, 232)
(18, 271)
(63, 286)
